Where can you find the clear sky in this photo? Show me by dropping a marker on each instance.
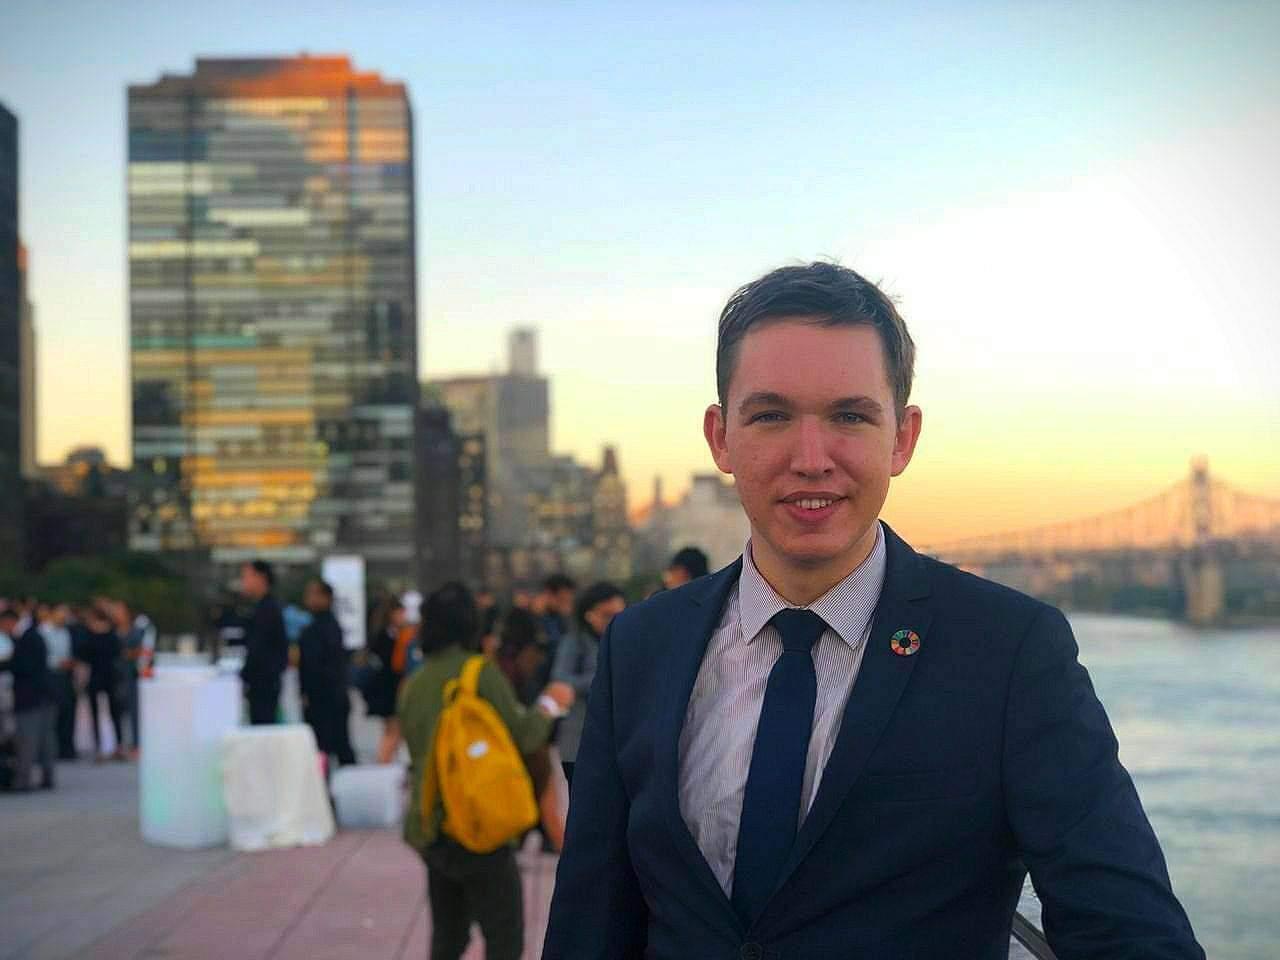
(1076, 204)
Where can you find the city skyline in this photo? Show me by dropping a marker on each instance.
(1072, 209)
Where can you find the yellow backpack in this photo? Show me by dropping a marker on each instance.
(476, 769)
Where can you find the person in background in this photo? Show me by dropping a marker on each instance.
(687, 565)
(25, 608)
(522, 657)
(556, 616)
(575, 663)
(101, 652)
(138, 639)
(383, 682)
(463, 886)
(57, 638)
(266, 645)
(322, 675)
(32, 702)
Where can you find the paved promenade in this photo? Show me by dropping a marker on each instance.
(76, 880)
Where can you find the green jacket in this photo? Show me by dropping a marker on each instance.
(420, 703)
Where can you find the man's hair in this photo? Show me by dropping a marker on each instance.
(557, 582)
(520, 629)
(692, 560)
(827, 294)
(265, 570)
(595, 594)
(324, 586)
(449, 617)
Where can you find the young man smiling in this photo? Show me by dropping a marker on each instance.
(836, 747)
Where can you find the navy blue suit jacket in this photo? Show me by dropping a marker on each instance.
(955, 770)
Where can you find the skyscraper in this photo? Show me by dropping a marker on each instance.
(513, 413)
(11, 487)
(273, 313)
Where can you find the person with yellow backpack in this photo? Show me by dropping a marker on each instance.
(471, 797)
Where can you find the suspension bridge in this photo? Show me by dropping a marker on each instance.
(1188, 535)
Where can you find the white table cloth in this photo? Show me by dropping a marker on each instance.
(272, 787)
(185, 711)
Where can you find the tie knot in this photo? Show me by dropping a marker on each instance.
(800, 629)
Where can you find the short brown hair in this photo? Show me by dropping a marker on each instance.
(828, 294)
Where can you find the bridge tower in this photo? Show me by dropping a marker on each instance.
(1202, 575)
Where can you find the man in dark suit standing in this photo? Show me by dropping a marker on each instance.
(322, 674)
(33, 703)
(836, 747)
(266, 644)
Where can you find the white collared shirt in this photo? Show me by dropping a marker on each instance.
(724, 709)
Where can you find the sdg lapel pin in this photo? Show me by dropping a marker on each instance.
(905, 642)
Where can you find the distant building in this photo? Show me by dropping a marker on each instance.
(78, 508)
(709, 517)
(512, 411)
(612, 532)
(473, 509)
(523, 347)
(651, 538)
(11, 407)
(86, 473)
(27, 351)
(273, 313)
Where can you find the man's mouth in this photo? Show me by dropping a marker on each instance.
(812, 502)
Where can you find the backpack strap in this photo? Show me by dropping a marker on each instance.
(469, 681)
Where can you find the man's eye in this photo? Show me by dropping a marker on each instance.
(847, 417)
(768, 416)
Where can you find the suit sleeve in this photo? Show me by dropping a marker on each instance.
(598, 910)
(1093, 857)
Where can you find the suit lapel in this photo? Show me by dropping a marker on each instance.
(881, 679)
(707, 602)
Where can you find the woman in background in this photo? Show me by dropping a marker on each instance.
(384, 681)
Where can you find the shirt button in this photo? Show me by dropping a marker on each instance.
(752, 951)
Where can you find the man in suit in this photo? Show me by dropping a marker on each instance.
(266, 645)
(322, 675)
(836, 747)
(33, 703)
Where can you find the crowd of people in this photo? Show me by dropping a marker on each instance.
(61, 656)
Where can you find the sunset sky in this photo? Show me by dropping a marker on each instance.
(1077, 206)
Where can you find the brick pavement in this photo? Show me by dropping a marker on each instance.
(76, 880)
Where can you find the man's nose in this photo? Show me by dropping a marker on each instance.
(810, 456)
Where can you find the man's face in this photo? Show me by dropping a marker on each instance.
(810, 436)
(315, 599)
(252, 583)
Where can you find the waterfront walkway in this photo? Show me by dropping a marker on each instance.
(76, 880)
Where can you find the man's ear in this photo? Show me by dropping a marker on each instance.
(713, 428)
(904, 441)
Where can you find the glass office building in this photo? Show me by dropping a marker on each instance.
(273, 313)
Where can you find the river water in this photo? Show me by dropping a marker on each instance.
(1197, 713)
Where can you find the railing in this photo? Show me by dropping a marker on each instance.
(1028, 941)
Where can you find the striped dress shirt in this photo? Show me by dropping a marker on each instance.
(724, 708)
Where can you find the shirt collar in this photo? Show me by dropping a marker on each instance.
(847, 607)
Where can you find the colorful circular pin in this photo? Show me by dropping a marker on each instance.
(905, 642)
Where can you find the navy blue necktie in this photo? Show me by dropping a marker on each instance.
(771, 804)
